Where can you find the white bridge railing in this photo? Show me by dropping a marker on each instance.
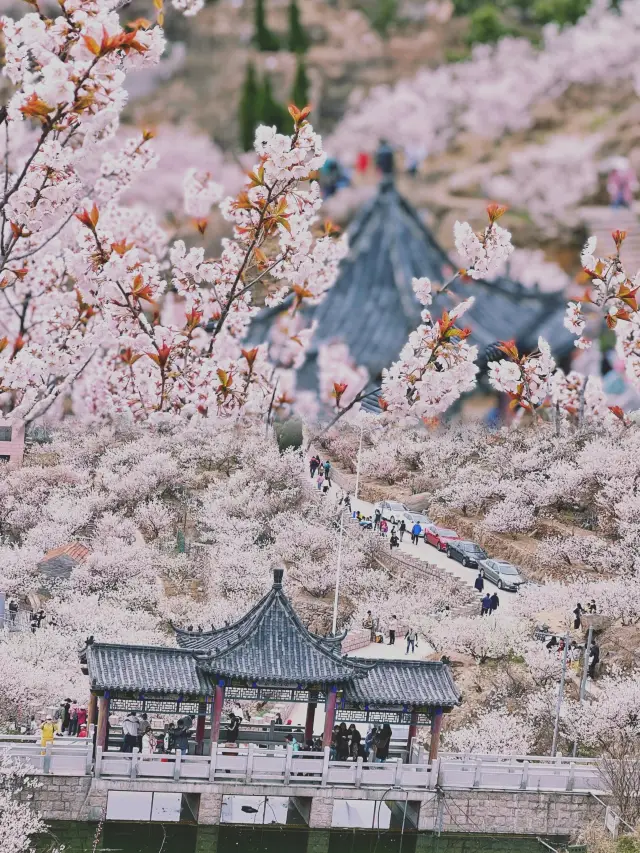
(250, 764)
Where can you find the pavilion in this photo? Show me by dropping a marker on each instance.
(267, 655)
(372, 307)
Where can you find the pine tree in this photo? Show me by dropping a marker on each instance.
(300, 88)
(248, 117)
(269, 111)
(298, 40)
(263, 37)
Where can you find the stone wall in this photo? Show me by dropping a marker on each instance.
(450, 811)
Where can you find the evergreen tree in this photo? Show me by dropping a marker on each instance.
(269, 111)
(384, 15)
(248, 113)
(298, 40)
(300, 88)
(263, 37)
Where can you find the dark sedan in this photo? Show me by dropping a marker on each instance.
(467, 553)
(504, 575)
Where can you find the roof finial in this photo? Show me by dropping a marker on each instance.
(277, 578)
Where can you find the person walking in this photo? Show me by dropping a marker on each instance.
(577, 613)
(313, 466)
(73, 718)
(368, 624)
(47, 731)
(342, 743)
(393, 627)
(327, 471)
(354, 741)
(402, 529)
(377, 518)
(383, 741)
(81, 717)
(143, 722)
(479, 582)
(412, 640)
(495, 602)
(369, 743)
(278, 719)
(130, 730)
(394, 542)
(181, 738)
(592, 606)
(384, 527)
(416, 530)
(13, 611)
(320, 480)
(486, 605)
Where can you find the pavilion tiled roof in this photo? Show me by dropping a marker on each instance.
(270, 643)
(152, 669)
(391, 682)
(59, 562)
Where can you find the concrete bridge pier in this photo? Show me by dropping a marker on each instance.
(318, 841)
(207, 839)
(210, 808)
(316, 812)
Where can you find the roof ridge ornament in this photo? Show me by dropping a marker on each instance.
(278, 574)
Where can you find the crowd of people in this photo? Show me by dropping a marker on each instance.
(69, 719)
(347, 743)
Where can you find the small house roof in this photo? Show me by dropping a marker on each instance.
(390, 682)
(60, 561)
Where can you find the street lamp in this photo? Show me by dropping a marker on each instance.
(335, 599)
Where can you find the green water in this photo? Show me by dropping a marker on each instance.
(172, 838)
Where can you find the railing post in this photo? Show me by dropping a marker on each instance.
(359, 771)
(421, 754)
(133, 769)
(287, 763)
(46, 764)
(88, 758)
(213, 760)
(397, 773)
(249, 769)
(97, 770)
(477, 774)
(524, 779)
(176, 766)
(434, 772)
(571, 777)
(325, 766)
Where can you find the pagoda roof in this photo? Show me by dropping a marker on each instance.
(152, 669)
(271, 644)
(389, 682)
(372, 306)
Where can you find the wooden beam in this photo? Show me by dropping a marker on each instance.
(436, 726)
(103, 721)
(311, 713)
(216, 715)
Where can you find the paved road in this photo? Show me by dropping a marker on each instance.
(431, 555)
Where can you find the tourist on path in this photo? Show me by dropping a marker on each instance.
(181, 738)
(354, 742)
(382, 742)
(143, 722)
(486, 605)
(412, 640)
(47, 731)
(327, 471)
(378, 516)
(369, 743)
(495, 602)
(592, 606)
(73, 718)
(393, 627)
(320, 480)
(594, 659)
(368, 624)
(314, 464)
(394, 542)
(342, 743)
(577, 613)
(384, 527)
(479, 583)
(416, 530)
(130, 731)
(402, 529)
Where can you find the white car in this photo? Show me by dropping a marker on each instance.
(391, 510)
(410, 519)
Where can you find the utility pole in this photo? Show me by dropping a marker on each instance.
(554, 743)
(585, 664)
(335, 600)
(358, 463)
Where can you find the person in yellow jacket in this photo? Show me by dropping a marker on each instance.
(47, 731)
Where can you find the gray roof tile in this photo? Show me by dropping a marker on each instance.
(398, 682)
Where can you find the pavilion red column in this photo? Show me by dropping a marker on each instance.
(413, 731)
(436, 725)
(103, 719)
(92, 711)
(311, 713)
(329, 715)
(202, 718)
(216, 714)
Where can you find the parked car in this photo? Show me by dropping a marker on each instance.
(410, 519)
(391, 510)
(439, 537)
(467, 553)
(503, 574)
